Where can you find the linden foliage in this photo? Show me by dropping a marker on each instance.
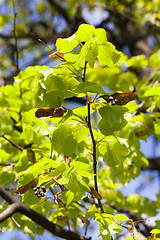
(63, 147)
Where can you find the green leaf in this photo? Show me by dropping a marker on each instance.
(129, 238)
(137, 61)
(77, 186)
(63, 141)
(54, 83)
(91, 87)
(82, 111)
(110, 115)
(82, 169)
(69, 197)
(105, 128)
(115, 115)
(59, 169)
(121, 217)
(6, 175)
(67, 44)
(41, 166)
(154, 60)
(38, 126)
(4, 156)
(116, 153)
(85, 32)
(46, 72)
(107, 55)
(152, 91)
(156, 231)
(88, 53)
(30, 198)
(58, 138)
(69, 145)
(53, 98)
(23, 162)
(101, 34)
(107, 226)
(80, 132)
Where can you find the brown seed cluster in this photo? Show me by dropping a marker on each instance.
(39, 191)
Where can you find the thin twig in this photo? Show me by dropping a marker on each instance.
(17, 52)
(15, 37)
(18, 225)
(93, 142)
(45, 45)
(1, 230)
(84, 74)
(94, 155)
(15, 145)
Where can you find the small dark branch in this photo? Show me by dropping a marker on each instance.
(1, 230)
(93, 142)
(84, 74)
(15, 145)
(94, 155)
(18, 225)
(52, 191)
(154, 164)
(18, 128)
(14, 34)
(7, 164)
(76, 99)
(71, 228)
(17, 206)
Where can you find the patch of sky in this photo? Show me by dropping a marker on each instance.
(126, 51)
(60, 23)
(146, 183)
(151, 41)
(14, 235)
(95, 16)
(124, 66)
(110, 26)
(151, 147)
(32, 7)
(4, 8)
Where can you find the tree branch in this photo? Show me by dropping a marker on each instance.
(8, 212)
(154, 164)
(15, 145)
(17, 206)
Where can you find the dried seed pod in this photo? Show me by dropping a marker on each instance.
(119, 98)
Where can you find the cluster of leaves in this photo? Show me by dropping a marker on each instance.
(49, 145)
(131, 21)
